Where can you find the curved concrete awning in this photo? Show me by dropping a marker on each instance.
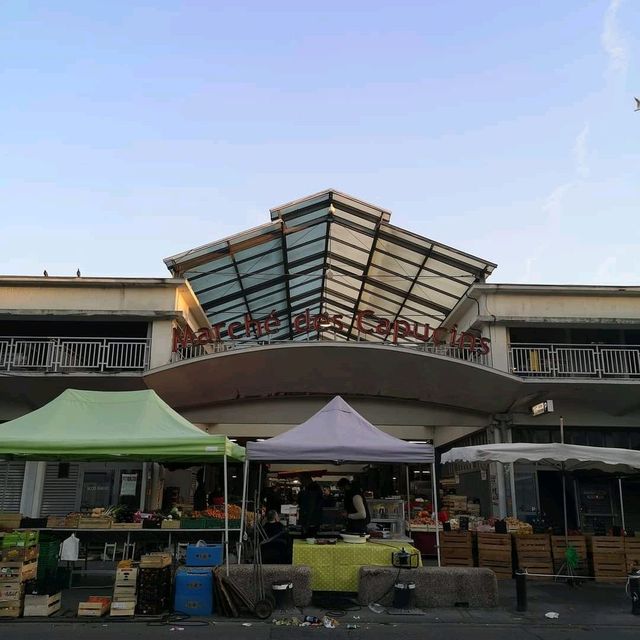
(350, 369)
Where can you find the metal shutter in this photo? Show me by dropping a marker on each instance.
(11, 479)
(59, 495)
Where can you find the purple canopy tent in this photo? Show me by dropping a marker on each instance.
(339, 434)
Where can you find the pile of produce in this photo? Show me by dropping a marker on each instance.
(217, 513)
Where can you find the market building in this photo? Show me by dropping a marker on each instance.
(253, 334)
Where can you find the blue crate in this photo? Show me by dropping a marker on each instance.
(210, 555)
(194, 591)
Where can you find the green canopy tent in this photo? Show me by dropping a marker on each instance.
(113, 426)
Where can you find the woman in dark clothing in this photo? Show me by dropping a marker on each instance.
(200, 494)
(355, 505)
(275, 550)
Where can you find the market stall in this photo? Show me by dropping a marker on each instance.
(121, 426)
(337, 434)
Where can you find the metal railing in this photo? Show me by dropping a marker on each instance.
(78, 355)
(195, 351)
(575, 360)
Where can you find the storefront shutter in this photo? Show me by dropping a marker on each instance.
(59, 495)
(11, 479)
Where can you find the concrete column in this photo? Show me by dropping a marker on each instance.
(161, 340)
(499, 346)
(499, 475)
(32, 486)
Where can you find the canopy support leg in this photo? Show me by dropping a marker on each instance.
(243, 514)
(434, 485)
(226, 512)
(143, 486)
(406, 468)
(621, 505)
(564, 505)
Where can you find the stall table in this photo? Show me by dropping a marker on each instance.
(336, 567)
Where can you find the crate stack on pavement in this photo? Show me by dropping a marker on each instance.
(456, 549)
(18, 566)
(494, 552)
(194, 594)
(608, 558)
(154, 584)
(534, 554)
(125, 590)
(559, 548)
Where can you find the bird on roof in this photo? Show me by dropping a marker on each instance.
(78, 273)
(637, 104)
(45, 273)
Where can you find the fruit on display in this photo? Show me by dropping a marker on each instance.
(217, 513)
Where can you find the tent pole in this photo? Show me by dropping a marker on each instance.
(226, 512)
(434, 484)
(621, 505)
(143, 486)
(406, 468)
(245, 484)
(6, 483)
(564, 505)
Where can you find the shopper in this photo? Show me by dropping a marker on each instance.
(275, 549)
(310, 507)
(355, 505)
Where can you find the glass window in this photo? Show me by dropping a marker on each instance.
(97, 488)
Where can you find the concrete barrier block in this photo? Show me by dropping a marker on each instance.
(243, 576)
(435, 586)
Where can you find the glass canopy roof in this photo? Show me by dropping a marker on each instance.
(332, 254)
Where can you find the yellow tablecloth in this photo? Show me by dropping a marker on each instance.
(336, 567)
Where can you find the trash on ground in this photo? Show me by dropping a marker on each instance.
(352, 626)
(247, 624)
(376, 608)
(330, 623)
(288, 622)
(552, 614)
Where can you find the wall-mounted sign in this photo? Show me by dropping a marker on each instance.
(128, 484)
(542, 407)
(364, 322)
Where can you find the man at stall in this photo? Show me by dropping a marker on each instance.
(310, 506)
(276, 548)
(355, 505)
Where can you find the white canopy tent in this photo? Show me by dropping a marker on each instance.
(568, 457)
(338, 434)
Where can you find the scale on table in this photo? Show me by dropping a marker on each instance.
(404, 559)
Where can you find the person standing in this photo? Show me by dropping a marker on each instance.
(310, 506)
(355, 506)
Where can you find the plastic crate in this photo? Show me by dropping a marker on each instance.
(194, 591)
(210, 555)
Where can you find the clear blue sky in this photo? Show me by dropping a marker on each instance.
(131, 130)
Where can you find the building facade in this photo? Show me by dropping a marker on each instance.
(254, 333)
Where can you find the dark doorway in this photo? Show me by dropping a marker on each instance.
(550, 490)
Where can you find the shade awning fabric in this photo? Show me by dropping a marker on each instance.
(574, 457)
(338, 433)
(111, 425)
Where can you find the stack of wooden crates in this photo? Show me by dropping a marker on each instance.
(18, 565)
(125, 591)
(534, 554)
(608, 557)
(456, 549)
(494, 552)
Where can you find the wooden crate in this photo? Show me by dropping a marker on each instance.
(632, 553)
(94, 607)
(94, 523)
(155, 560)
(170, 524)
(10, 520)
(19, 571)
(609, 566)
(72, 521)
(56, 522)
(534, 554)
(127, 526)
(494, 552)
(11, 590)
(122, 609)
(558, 548)
(606, 544)
(19, 554)
(126, 577)
(35, 606)
(11, 609)
(456, 549)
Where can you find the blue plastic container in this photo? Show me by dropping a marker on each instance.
(208, 556)
(194, 591)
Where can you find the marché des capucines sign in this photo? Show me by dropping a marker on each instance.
(365, 322)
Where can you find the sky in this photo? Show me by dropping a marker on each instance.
(131, 131)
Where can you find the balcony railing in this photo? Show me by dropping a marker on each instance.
(575, 360)
(195, 351)
(73, 355)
